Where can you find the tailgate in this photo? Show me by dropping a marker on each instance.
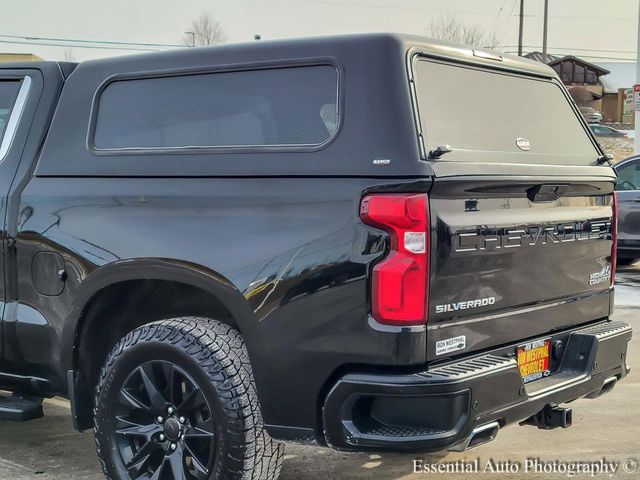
(506, 267)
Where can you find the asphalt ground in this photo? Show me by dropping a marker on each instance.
(604, 430)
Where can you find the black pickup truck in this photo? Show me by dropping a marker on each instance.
(368, 242)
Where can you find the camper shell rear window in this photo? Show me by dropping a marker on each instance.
(497, 116)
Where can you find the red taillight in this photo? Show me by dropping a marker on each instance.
(614, 238)
(401, 280)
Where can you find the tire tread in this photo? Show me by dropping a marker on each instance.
(220, 351)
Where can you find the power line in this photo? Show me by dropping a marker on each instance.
(98, 47)
(584, 56)
(506, 18)
(495, 22)
(576, 49)
(578, 17)
(365, 4)
(105, 42)
(79, 42)
(607, 58)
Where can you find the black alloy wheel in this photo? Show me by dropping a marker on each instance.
(164, 424)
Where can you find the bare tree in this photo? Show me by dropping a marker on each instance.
(449, 27)
(204, 30)
(69, 56)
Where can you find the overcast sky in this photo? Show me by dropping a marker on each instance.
(584, 27)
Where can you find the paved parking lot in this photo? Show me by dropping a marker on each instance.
(603, 429)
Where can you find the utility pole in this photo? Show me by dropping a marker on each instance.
(544, 30)
(521, 28)
(636, 140)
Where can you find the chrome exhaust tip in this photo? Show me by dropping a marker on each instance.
(480, 435)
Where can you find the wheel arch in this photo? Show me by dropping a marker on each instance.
(118, 297)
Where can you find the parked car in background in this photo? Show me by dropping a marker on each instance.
(604, 131)
(628, 188)
(591, 115)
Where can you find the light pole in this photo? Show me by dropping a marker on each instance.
(636, 140)
(521, 28)
(544, 31)
(193, 38)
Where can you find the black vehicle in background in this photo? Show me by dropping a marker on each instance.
(628, 191)
(335, 241)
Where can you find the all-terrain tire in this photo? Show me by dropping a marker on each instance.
(214, 355)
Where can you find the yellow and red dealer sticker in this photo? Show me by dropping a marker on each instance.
(533, 360)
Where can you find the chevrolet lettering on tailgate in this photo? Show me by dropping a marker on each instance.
(486, 238)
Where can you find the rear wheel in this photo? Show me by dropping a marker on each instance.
(176, 400)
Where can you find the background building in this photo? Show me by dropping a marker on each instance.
(606, 87)
(618, 92)
(18, 57)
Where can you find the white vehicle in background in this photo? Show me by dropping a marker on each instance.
(591, 115)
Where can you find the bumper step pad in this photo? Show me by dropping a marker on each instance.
(20, 408)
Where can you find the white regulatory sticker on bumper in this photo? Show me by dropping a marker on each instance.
(451, 345)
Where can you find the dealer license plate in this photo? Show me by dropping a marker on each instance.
(533, 360)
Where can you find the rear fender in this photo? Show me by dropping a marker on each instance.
(152, 269)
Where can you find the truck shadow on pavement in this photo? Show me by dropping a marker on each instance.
(49, 448)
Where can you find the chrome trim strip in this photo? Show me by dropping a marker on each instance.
(503, 313)
(483, 428)
(14, 118)
(395, 328)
